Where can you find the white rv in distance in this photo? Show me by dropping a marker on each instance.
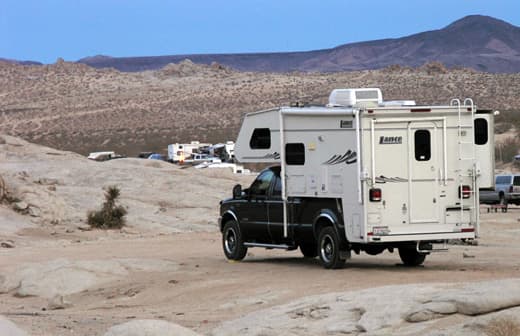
(179, 152)
(361, 174)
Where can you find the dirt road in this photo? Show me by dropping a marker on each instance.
(206, 289)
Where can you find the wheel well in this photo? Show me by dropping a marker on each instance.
(227, 216)
(321, 223)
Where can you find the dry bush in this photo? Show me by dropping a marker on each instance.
(503, 326)
(111, 215)
(505, 151)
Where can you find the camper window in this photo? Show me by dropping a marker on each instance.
(261, 139)
(295, 154)
(481, 131)
(422, 145)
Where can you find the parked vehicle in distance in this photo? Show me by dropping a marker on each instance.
(145, 155)
(156, 156)
(507, 191)
(104, 156)
(196, 159)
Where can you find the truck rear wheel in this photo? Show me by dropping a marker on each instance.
(329, 248)
(232, 241)
(410, 256)
(309, 250)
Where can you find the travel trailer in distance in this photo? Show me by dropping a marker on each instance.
(178, 152)
(361, 174)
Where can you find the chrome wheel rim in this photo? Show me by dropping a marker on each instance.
(231, 240)
(327, 248)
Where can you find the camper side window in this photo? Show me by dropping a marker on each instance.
(422, 145)
(261, 139)
(481, 131)
(295, 154)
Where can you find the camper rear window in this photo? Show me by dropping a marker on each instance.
(481, 131)
(422, 145)
(295, 154)
(261, 139)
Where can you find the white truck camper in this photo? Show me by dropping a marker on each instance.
(397, 174)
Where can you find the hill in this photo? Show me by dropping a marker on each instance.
(479, 42)
(75, 107)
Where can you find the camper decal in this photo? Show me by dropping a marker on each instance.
(349, 157)
(384, 179)
(274, 156)
(390, 140)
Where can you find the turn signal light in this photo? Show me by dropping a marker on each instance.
(466, 191)
(375, 195)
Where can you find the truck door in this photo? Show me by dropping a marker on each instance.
(424, 157)
(254, 211)
(275, 211)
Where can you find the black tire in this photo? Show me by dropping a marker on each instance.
(410, 256)
(309, 250)
(329, 248)
(232, 241)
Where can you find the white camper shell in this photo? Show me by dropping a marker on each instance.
(399, 172)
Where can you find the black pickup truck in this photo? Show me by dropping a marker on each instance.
(253, 217)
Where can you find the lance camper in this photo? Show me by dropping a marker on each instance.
(361, 174)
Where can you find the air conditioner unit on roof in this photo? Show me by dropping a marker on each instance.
(355, 97)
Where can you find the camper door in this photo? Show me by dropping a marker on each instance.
(407, 165)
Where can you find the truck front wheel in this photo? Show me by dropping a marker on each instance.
(329, 248)
(232, 241)
(410, 256)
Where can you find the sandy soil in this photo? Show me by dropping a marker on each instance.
(206, 289)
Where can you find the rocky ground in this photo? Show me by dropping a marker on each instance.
(165, 274)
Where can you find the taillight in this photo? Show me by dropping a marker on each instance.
(466, 191)
(375, 195)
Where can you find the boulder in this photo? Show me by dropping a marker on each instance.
(8, 328)
(149, 328)
(61, 277)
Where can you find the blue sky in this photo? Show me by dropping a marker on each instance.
(43, 30)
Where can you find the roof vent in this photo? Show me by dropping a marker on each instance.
(355, 97)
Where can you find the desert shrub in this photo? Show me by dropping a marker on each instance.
(505, 151)
(503, 326)
(111, 215)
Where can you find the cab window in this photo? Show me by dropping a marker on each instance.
(277, 189)
(260, 186)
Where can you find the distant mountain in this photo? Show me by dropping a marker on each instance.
(479, 42)
(19, 62)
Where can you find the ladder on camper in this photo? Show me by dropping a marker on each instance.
(464, 147)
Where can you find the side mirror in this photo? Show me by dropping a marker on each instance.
(237, 191)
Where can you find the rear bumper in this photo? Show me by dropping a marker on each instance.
(421, 237)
